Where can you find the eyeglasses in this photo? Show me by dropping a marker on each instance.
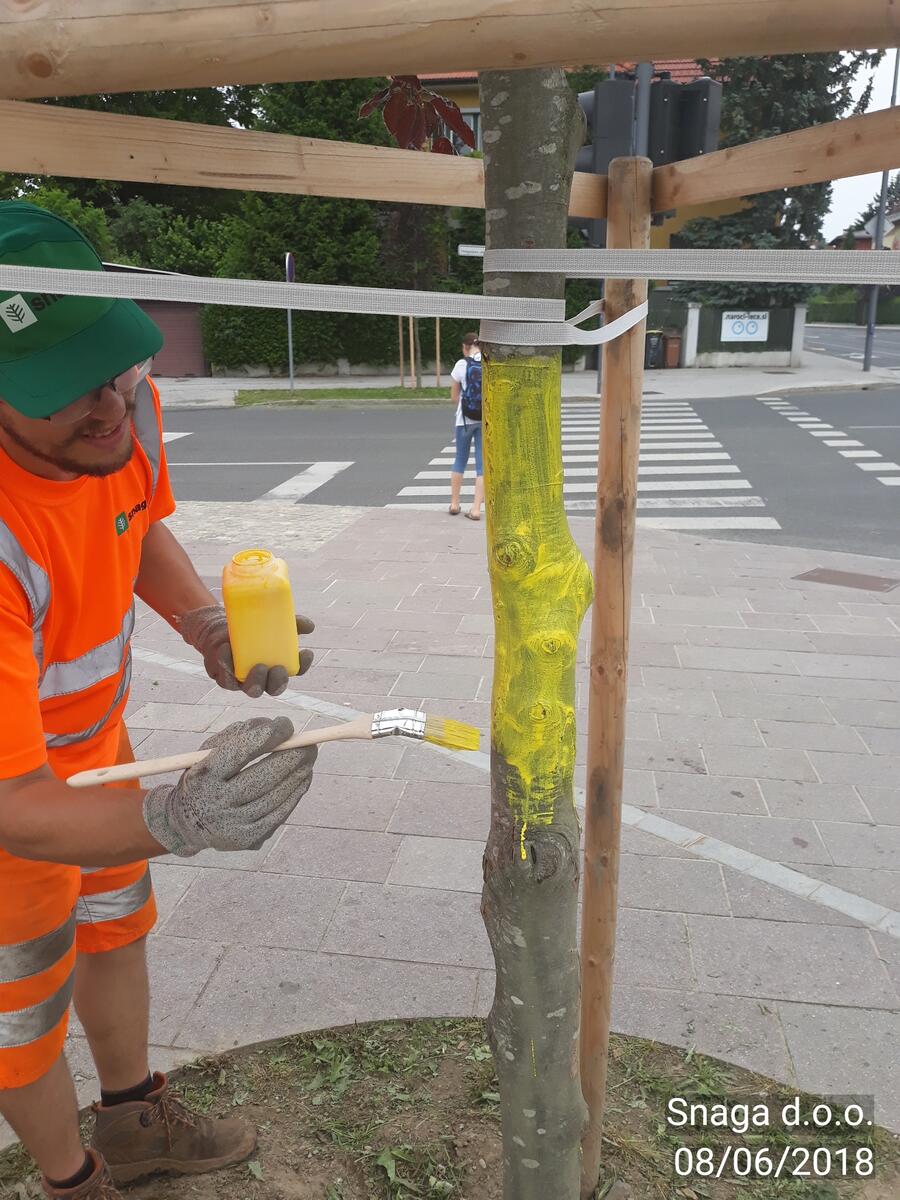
(85, 405)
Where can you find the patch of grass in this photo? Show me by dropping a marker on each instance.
(247, 397)
(410, 1111)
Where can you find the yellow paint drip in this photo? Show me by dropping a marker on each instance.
(522, 841)
(542, 586)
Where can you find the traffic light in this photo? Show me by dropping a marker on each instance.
(683, 123)
(609, 108)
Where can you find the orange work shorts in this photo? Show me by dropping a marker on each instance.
(49, 913)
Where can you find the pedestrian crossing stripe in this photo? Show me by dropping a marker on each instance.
(686, 479)
(849, 448)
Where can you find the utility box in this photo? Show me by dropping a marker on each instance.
(672, 351)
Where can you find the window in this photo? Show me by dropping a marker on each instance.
(472, 117)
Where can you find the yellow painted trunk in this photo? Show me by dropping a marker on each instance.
(542, 587)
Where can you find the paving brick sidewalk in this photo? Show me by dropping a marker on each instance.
(764, 712)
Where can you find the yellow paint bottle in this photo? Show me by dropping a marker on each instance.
(262, 625)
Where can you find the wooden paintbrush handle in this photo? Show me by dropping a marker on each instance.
(358, 729)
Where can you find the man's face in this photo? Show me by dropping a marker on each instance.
(98, 444)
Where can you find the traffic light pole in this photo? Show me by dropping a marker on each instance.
(878, 244)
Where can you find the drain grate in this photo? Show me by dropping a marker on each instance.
(850, 579)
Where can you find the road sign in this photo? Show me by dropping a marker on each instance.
(745, 327)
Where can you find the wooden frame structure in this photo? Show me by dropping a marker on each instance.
(36, 139)
(56, 48)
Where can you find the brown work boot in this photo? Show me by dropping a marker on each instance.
(99, 1187)
(143, 1137)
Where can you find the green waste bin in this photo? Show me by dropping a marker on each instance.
(654, 350)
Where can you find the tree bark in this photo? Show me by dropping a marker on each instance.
(541, 590)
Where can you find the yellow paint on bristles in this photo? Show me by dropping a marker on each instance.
(455, 735)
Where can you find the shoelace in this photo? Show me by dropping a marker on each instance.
(171, 1113)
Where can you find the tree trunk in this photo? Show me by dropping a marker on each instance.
(541, 590)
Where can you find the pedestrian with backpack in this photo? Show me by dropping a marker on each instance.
(465, 392)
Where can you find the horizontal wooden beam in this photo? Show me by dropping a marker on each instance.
(66, 48)
(40, 139)
(836, 150)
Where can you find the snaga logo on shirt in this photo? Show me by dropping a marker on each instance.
(123, 520)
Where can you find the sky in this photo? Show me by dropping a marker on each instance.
(852, 195)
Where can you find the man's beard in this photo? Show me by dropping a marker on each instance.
(59, 457)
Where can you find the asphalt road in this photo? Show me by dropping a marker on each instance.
(850, 343)
(812, 470)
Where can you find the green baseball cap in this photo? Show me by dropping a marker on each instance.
(54, 348)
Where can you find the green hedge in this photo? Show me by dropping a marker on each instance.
(849, 312)
(840, 311)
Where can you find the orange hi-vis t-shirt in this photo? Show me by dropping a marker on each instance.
(70, 552)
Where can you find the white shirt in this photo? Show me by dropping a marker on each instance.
(459, 374)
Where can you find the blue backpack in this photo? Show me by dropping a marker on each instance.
(471, 393)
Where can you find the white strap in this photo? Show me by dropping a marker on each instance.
(748, 266)
(529, 333)
(509, 320)
(261, 293)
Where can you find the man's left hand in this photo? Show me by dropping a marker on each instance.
(206, 629)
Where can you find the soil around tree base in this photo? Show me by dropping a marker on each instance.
(406, 1110)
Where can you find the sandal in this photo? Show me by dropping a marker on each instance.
(473, 516)
(454, 512)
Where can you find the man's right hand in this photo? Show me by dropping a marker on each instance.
(218, 805)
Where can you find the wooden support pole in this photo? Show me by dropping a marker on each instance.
(412, 355)
(57, 48)
(835, 150)
(37, 139)
(402, 363)
(620, 431)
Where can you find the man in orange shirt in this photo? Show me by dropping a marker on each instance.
(84, 489)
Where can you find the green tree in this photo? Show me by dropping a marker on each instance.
(893, 202)
(87, 217)
(333, 241)
(764, 97)
(155, 235)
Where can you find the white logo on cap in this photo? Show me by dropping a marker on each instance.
(16, 313)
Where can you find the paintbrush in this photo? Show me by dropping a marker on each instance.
(395, 722)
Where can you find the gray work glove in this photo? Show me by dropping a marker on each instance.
(206, 629)
(216, 805)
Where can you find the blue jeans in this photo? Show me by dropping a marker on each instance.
(465, 436)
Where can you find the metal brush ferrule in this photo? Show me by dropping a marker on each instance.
(404, 721)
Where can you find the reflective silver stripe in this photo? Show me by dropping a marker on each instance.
(28, 1024)
(55, 740)
(34, 581)
(79, 674)
(146, 426)
(110, 906)
(25, 959)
